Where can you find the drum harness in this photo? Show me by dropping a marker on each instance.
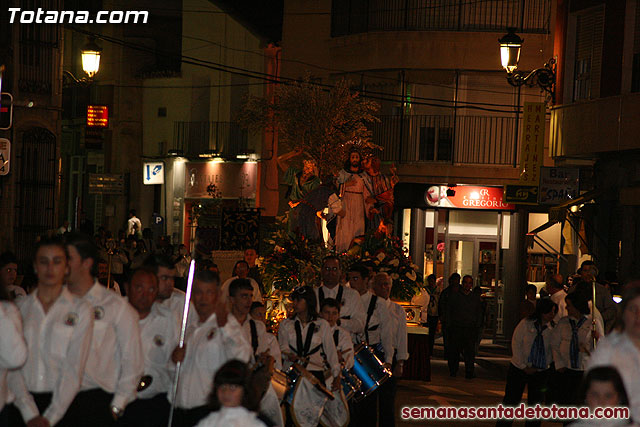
(304, 351)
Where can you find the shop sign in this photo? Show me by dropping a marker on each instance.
(105, 183)
(532, 147)
(521, 194)
(467, 197)
(97, 116)
(232, 179)
(558, 185)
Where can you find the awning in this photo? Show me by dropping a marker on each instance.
(558, 213)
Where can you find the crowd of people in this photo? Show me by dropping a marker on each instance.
(75, 351)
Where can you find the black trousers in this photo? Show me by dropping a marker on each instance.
(517, 379)
(464, 341)
(432, 324)
(12, 416)
(566, 385)
(153, 412)
(90, 407)
(189, 417)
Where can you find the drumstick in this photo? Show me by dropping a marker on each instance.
(185, 315)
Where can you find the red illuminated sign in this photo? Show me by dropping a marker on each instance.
(97, 116)
(467, 197)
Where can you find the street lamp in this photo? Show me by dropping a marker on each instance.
(90, 53)
(91, 57)
(544, 77)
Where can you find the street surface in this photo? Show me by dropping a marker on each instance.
(487, 389)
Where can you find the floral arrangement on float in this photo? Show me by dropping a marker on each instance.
(293, 262)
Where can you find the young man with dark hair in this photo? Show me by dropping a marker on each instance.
(216, 339)
(159, 335)
(168, 296)
(352, 314)
(241, 271)
(115, 362)
(240, 295)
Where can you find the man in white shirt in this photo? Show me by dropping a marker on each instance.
(381, 286)
(57, 327)
(159, 334)
(168, 296)
(352, 314)
(240, 294)
(115, 362)
(555, 287)
(134, 226)
(215, 339)
(241, 271)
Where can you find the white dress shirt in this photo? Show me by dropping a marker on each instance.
(400, 330)
(617, 350)
(381, 326)
(175, 303)
(561, 342)
(238, 416)
(321, 339)
(265, 340)
(116, 362)
(13, 348)
(159, 334)
(224, 291)
(558, 298)
(522, 340)
(208, 347)
(352, 314)
(344, 346)
(58, 342)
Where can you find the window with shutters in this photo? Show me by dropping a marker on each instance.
(635, 74)
(588, 54)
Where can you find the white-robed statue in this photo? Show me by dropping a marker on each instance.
(354, 194)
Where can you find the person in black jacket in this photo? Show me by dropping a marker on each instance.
(465, 315)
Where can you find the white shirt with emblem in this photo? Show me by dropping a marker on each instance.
(159, 334)
(13, 348)
(266, 341)
(345, 346)
(58, 342)
(208, 347)
(352, 314)
(522, 339)
(116, 362)
(175, 303)
(561, 342)
(399, 330)
(381, 326)
(321, 339)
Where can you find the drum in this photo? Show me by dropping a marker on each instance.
(292, 375)
(369, 369)
(281, 383)
(350, 384)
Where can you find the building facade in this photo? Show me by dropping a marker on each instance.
(448, 121)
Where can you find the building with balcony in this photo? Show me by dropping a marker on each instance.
(448, 120)
(189, 116)
(595, 124)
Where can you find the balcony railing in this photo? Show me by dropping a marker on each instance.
(361, 16)
(488, 140)
(227, 139)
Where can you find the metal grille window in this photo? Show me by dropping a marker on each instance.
(360, 16)
(588, 54)
(38, 50)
